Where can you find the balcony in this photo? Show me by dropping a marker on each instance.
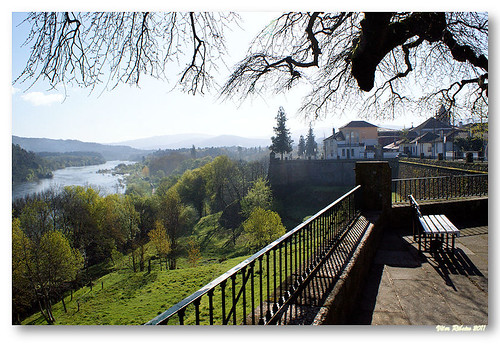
(355, 262)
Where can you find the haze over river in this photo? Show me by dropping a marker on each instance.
(107, 183)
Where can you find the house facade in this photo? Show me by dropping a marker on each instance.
(433, 138)
(355, 140)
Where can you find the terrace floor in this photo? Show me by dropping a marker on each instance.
(405, 288)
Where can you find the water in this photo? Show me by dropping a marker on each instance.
(107, 183)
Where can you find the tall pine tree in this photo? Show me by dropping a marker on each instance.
(301, 147)
(311, 145)
(282, 142)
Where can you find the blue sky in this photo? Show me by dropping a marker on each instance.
(127, 112)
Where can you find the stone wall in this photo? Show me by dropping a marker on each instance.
(432, 168)
(290, 173)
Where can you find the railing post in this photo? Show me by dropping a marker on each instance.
(375, 179)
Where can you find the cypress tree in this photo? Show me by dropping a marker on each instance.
(282, 142)
(311, 145)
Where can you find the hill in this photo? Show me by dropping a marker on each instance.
(198, 140)
(109, 152)
(27, 166)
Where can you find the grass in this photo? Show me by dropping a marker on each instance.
(123, 297)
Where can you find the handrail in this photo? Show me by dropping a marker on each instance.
(437, 177)
(440, 187)
(196, 296)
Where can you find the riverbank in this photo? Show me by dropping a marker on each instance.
(98, 176)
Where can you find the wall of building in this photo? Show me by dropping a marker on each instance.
(365, 133)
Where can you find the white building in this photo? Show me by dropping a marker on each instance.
(355, 140)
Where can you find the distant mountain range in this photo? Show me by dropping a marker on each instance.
(198, 140)
(134, 149)
(109, 152)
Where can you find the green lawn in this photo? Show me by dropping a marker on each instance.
(129, 298)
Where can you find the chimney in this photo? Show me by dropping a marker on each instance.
(333, 130)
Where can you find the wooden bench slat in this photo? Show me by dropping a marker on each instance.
(451, 226)
(425, 225)
(439, 227)
(444, 223)
(433, 225)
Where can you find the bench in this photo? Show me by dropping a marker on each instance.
(433, 229)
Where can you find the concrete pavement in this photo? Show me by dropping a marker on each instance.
(405, 288)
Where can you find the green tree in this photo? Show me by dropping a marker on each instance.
(301, 147)
(223, 179)
(192, 189)
(259, 195)
(22, 294)
(45, 265)
(311, 145)
(282, 142)
(194, 254)
(262, 227)
(161, 241)
(171, 215)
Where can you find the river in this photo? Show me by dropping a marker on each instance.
(106, 182)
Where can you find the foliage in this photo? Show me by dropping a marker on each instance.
(43, 264)
(282, 142)
(469, 144)
(311, 145)
(259, 195)
(192, 189)
(30, 166)
(160, 239)
(27, 166)
(194, 254)
(129, 298)
(262, 227)
(301, 147)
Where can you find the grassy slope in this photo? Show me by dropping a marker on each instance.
(130, 298)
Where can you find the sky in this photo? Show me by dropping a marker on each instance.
(153, 108)
(153, 111)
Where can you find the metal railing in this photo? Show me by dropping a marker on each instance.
(259, 289)
(439, 188)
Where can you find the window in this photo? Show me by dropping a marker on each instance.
(343, 152)
(352, 153)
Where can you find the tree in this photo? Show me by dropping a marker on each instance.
(172, 214)
(381, 62)
(282, 142)
(222, 182)
(22, 295)
(44, 264)
(192, 189)
(194, 254)
(400, 58)
(159, 237)
(193, 152)
(262, 227)
(259, 195)
(301, 147)
(311, 145)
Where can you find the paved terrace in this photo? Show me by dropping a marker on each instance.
(404, 288)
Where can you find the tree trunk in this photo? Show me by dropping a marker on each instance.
(63, 303)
